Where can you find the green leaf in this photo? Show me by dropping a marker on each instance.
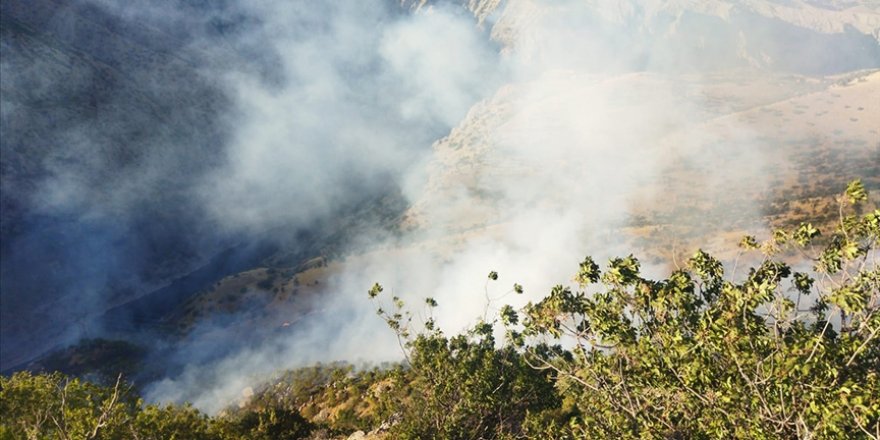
(509, 316)
(748, 242)
(375, 290)
(706, 266)
(588, 272)
(805, 233)
(803, 282)
(855, 191)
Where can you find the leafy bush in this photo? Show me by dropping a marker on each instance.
(172, 422)
(780, 354)
(53, 406)
(464, 388)
(274, 423)
(774, 353)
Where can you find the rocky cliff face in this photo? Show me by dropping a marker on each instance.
(824, 16)
(480, 8)
(799, 36)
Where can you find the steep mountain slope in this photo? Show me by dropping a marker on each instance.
(667, 159)
(795, 36)
(749, 162)
(87, 102)
(765, 152)
(623, 126)
(113, 120)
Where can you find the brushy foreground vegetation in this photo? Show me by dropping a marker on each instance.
(777, 354)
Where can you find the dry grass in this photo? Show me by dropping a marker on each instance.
(808, 138)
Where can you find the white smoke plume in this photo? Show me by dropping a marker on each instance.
(547, 169)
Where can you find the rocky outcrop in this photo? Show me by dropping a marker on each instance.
(763, 34)
(480, 8)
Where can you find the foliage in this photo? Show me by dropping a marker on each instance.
(53, 406)
(335, 397)
(780, 351)
(171, 422)
(699, 356)
(463, 387)
(273, 423)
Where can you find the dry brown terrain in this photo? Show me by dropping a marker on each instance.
(803, 139)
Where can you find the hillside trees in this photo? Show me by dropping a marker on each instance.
(53, 406)
(779, 354)
(462, 387)
(788, 349)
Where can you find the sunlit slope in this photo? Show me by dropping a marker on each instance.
(794, 135)
(805, 148)
(758, 152)
(699, 122)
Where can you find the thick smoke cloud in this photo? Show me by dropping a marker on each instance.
(364, 90)
(549, 168)
(203, 128)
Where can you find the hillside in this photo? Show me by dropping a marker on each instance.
(87, 101)
(113, 122)
(200, 194)
(463, 215)
(601, 359)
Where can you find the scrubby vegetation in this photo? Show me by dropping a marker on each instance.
(777, 351)
(53, 406)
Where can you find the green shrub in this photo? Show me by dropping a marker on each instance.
(777, 355)
(780, 354)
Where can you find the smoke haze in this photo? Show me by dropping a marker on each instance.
(559, 124)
